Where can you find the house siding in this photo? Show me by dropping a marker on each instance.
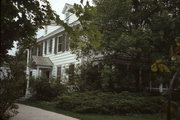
(63, 58)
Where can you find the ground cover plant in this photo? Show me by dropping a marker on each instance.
(110, 103)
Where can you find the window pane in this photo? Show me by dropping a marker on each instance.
(55, 46)
(60, 44)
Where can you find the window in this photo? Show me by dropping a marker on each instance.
(60, 44)
(50, 46)
(34, 50)
(55, 43)
(59, 73)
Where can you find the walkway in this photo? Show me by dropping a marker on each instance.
(33, 113)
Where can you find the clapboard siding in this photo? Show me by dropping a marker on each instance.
(63, 59)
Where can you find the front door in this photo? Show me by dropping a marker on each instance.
(46, 74)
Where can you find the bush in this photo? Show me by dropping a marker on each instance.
(9, 92)
(46, 90)
(110, 103)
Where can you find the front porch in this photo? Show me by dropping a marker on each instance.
(41, 67)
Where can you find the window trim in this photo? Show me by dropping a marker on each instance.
(61, 51)
(64, 44)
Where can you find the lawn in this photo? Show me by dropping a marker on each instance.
(50, 106)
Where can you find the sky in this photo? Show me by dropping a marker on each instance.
(57, 6)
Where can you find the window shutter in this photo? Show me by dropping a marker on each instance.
(64, 43)
(67, 43)
(55, 46)
(45, 48)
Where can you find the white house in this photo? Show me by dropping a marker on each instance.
(52, 55)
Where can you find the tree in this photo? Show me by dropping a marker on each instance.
(13, 85)
(174, 66)
(139, 30)
(20, 19)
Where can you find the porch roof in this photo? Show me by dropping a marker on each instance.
(42, 61)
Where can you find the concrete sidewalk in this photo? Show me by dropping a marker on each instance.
(33, 113)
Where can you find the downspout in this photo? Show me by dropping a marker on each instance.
(27, 93)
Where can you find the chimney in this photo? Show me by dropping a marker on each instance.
(46, 29)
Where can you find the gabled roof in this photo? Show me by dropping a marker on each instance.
(42, 61)
(55, 32)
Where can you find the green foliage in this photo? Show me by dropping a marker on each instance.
(106, 76)
(51, 106)
(86, 77)
(131, 32)
(48, 90)
(20, 21)
(9, 92)
(12, 86)
(98, 75)
(110, 103)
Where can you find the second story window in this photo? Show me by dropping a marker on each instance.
(60, 43)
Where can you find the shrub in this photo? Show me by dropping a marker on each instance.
(48, 90)
(110, 103)
(9, 92)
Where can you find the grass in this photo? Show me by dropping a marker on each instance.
(51, 106)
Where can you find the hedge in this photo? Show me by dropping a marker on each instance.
(110, 103)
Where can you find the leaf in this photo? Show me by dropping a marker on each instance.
(95, 43)
(163, 68)
(154, 67)
(81, 1)
(158, 61)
